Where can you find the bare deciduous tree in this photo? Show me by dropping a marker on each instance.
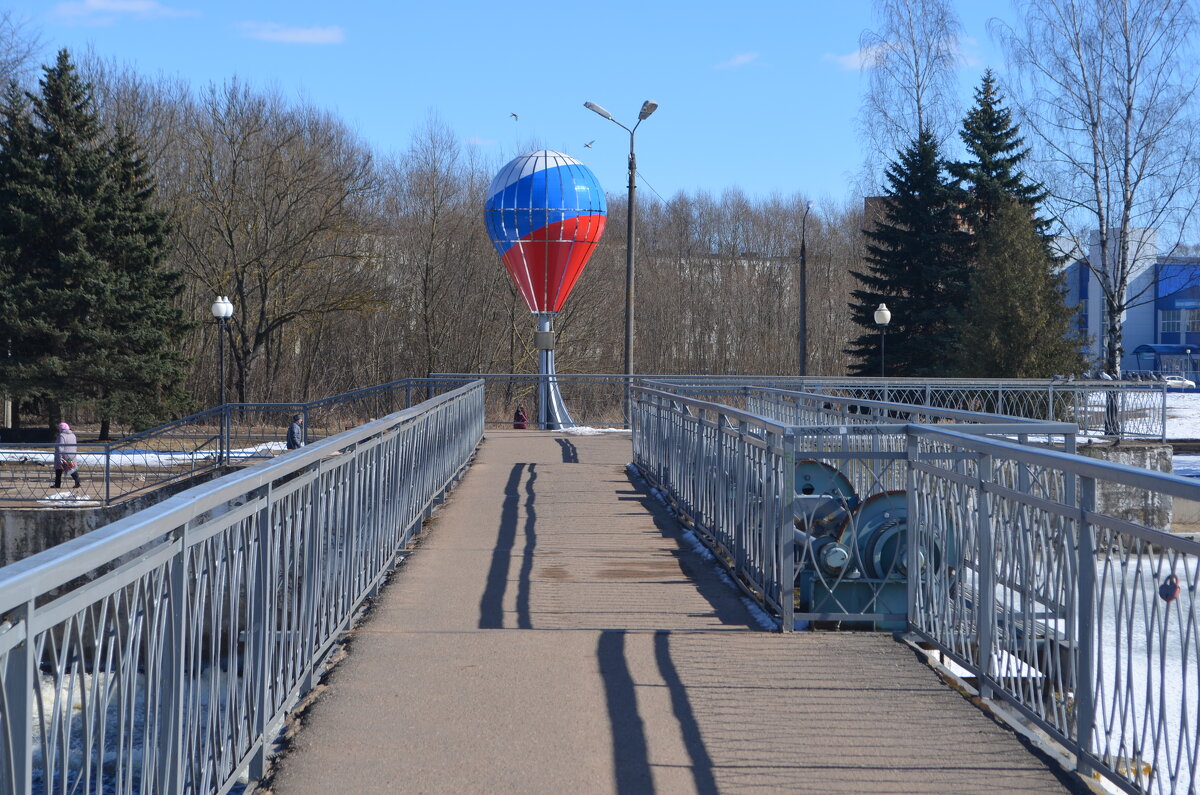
(1108, 87)
(19, 46)
(912, 59)
(272, 215)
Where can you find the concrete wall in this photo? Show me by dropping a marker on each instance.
(27, 531)
(1148, 508)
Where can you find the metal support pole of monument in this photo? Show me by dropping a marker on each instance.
(552, 411)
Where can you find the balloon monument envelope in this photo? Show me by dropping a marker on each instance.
(545, 214)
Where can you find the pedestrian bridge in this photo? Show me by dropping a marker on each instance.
(558, 631)
(556, 620)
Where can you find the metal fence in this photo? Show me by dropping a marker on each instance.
(233, 435)
(1127, 410)
(1132, 409)
(1045, 577)
(162, 652)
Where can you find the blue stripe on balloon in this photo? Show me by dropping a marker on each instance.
(545, 197)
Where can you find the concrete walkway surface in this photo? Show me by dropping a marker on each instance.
(555, 632)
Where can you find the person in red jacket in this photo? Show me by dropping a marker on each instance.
(520, 419)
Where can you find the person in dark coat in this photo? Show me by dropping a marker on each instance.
(295, 436)
(520, 419)
(65, 450)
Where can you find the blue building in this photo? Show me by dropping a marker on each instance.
(1162, 323)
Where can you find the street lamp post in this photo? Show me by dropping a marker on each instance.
(222, 310)
(803, 341)
(648, 107)
(883, 316)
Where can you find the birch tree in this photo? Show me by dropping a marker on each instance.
(1108, 89)
(911, 58)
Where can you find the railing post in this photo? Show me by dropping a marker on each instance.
(108, 473)
(1084, 634)
(985, 610)
(1163, 414)
(259, 634)
(169, 750)
(314, 509)
(740, 501)
(786, 536)
(917, 533)
(19, 682)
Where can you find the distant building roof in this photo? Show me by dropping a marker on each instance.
(1166, 350)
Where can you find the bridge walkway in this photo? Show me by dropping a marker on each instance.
(555, 632)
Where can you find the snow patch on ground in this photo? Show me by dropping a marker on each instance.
(141, 458)
(69, 499)
(585, 430)
(1183, 415)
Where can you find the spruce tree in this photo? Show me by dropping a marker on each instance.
(996, 150)
(86, 307)
(1019, 326)
(137, 368)
(47, 221)
(917, 264)
(999, 341)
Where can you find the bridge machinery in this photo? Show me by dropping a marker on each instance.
(851, 553)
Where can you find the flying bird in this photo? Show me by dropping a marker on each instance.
(588, 145)
(515, 117)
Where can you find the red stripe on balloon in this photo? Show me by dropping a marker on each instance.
(546, 264)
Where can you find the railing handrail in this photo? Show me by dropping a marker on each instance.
(974, 417)
(24, 579)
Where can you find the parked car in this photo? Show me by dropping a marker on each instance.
(1179, 382)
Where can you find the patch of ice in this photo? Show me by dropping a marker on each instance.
(1186, 465)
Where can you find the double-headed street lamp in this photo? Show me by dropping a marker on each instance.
(222, 310)
(648, 107)
(883, 316)
(803, 341)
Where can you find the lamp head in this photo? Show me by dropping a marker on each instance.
(594, 108)
(648, 107)
(883, 315)
(222, 308)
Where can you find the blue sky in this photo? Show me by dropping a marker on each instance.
(762, 96)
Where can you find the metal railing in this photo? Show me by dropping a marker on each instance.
(1044, 576)
(233, 435)
(162, 652)
(1127, 410)
(1135, 410)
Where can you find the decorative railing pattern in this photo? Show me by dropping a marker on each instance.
(1045, 577)
(1134, 410)
(161, 653)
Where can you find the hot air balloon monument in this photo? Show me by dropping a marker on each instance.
(545, 214)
